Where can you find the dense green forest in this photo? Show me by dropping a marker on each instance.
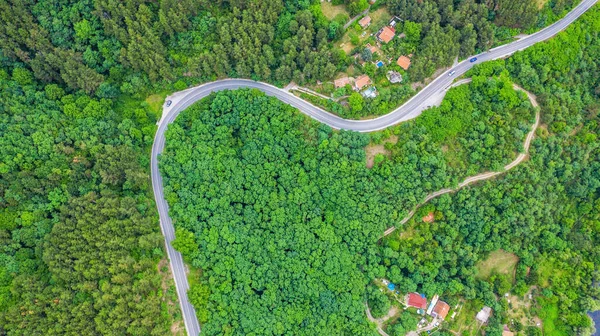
(280, 213)
(287, 217)
(546, 211)
(78, 227)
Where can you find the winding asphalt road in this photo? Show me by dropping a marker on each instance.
(409, 110)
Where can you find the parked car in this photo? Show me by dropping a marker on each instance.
(473, 59)
(452, 72)
(169, 103)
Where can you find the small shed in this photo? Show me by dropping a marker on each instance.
(484, 314)
(394, 77)
(370, 92)
(365, 22)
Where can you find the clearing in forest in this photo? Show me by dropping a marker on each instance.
(373, 150)
(330, 11)
(500, 262)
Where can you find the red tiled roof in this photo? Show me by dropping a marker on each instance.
(417, 301)
(387, 34)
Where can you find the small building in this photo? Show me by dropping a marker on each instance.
(416, 300)
(341, 82)
(394, 77)
(440, 310)
(403, 62)
(484, 314)
(429, 218)
(361, 82)
(373, 49)
(394, 21)
(370, 93)
(432, 304)
(507, 332)
(386, 34)
(365, 22)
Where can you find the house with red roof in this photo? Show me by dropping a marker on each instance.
(416, 300)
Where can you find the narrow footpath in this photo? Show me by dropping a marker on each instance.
(487, 175)
(467, 181)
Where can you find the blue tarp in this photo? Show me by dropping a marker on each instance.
(391, 286)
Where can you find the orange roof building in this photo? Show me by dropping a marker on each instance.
(386, 34)
(507, 332)
(440, 310)
(365, 22)
(403, 62)
(416, 300)
(428, 218)
(361, 82)
(372, 48)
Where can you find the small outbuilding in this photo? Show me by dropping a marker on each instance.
(484, 314)
(507, 332)
(394, 77)
(365, 22)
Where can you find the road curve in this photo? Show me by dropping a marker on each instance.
(409, 110)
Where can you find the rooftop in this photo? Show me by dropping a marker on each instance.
(484, 314)
(340, 82)
(417, 301)
(441, 309)
(361, 82)
(404, 62)
(386, 34)
(365, 21)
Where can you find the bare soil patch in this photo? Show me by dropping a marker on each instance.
(372, 150)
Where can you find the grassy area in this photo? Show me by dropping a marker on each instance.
(549, 315)
(464, 323)
(156, 101)
(500, 262)
(380, 15)
(541, 3)
(170, 300)
(547, 271)
(330, 11)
